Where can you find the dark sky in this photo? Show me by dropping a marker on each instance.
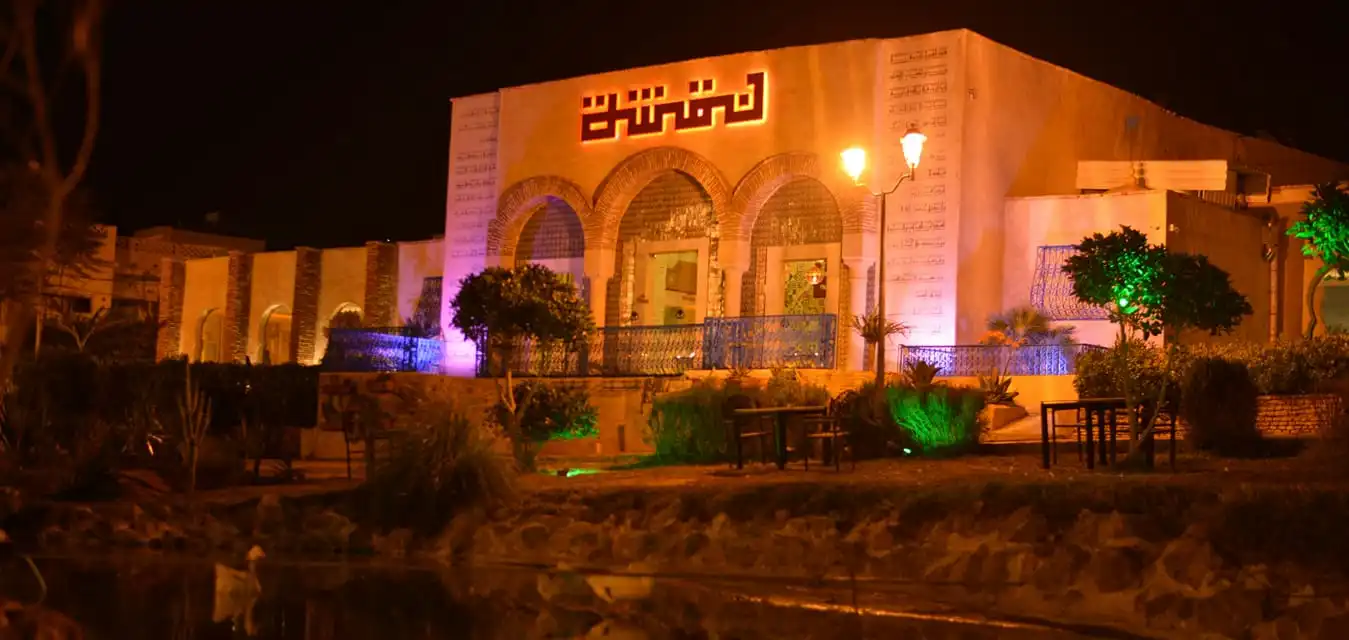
(326, 123)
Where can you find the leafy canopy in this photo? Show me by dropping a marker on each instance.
(1149, 289)
(1325, 226)
(528, 301)
(22, 209)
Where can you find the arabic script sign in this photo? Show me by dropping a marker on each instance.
(649, 113)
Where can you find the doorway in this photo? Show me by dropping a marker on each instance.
(673, 282)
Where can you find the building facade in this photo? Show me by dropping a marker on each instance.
(710, 189)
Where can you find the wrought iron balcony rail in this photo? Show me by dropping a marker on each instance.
(757, 342)
(976, 360)
(383, 349)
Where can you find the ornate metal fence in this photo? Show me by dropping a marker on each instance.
(763, 342)
(974, 360)
(721, 343)
(383, 349)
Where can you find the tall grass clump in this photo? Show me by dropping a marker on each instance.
(942, 420)
(440, 466)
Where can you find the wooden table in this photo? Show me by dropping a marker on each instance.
(780, 415)
(1098, 407)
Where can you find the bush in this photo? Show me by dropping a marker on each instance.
(688, 426)
(785, 388)
(441, 466)
(866, 416)
(1218, 402)
(544, 412)
(1101, 373)
(941, 421)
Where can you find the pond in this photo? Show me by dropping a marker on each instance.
(156, 597)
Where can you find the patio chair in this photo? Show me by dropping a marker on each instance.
(828, 431)
(742, 428)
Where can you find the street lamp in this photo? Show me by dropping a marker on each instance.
(854, 164)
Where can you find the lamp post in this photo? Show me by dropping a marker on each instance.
(854, 164)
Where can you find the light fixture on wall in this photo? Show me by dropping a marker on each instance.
(816, 273)
(1268, 253)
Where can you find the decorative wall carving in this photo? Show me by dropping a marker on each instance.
(650, 113)
(521, 200)
(381, 285)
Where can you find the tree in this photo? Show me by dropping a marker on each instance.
(1150, 291)
(1026, 326)
(85, 327)
(32, 141)
(500, 308)
(1324, 228)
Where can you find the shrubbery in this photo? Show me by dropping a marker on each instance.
(544, 411)
(940, 421)
(439, 466)
(1220, 407)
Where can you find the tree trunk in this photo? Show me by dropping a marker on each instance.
(1311, 299)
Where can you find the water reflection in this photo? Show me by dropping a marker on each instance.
(149, 597)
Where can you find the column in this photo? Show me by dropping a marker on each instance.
(172, 281)
(856, 306)
(734, 258)
(238, 297)
(599, 268)
(381, 285)
(305, 305)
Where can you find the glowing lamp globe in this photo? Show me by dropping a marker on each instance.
(854, 162)
(912, 142)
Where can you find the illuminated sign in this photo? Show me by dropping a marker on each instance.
(648, 113)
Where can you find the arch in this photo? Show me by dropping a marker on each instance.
(274, 335)
(210, 336)
(628, 178)
(521, 199)
(345, 308)
(855, 203)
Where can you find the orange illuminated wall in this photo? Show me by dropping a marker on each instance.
(650, 112)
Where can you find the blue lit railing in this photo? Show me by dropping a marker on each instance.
(760, 342)
(383, 349)
(976, 360)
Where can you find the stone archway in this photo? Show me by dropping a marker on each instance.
(630, 176)
(520, 201)
(855, 203)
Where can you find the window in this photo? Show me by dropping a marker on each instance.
(1051, 292)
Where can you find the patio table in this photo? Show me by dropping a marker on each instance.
(780, 415)
(1098, 407)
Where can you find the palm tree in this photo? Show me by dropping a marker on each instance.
(876, 329)
(1026, 326)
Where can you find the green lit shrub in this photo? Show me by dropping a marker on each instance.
(941, 421)
(1218, 402)
(688, 426)
(439, 466)
(544, 412)
(865, 415)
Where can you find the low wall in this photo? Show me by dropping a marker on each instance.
(1031, 390)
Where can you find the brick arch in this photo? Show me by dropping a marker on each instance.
(519, 200)
(627, 179)
(855, 204)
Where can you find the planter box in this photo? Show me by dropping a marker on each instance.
(997, 416)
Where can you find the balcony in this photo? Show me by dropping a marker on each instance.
(390, 349)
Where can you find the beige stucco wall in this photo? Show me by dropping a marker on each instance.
(1031, 223)
(342, 281)
(272, 287)
(203, 290)
(1232, 240)
(1028, 122)
(819, 100)
(417, 261)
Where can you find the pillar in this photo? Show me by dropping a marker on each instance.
(238, 296)
(172, 282)
(599, 268)
(856, 306)
(305, 307)
(734, 257)
(381, 285)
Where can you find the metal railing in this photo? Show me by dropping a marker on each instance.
(976, 360)
(383, 349)
(756, 342)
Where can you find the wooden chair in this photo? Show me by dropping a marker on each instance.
(741, 428)
(828, 431)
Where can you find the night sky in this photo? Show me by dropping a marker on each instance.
(327, 123)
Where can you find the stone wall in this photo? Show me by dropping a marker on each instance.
(172, 278)
(238, 296)
(381, 285)
(1091, 559)
(305, 307)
